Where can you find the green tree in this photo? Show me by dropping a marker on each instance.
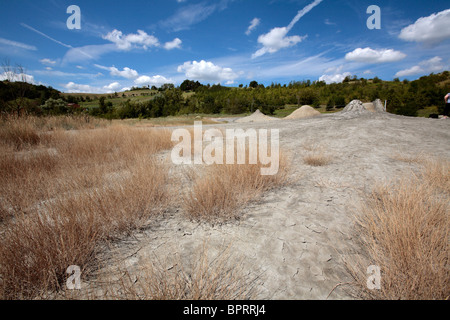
(254, 84)
(54, 107)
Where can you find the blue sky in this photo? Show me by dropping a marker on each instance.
(134, 43)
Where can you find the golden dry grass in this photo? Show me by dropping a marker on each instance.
(223, 189)
(317, 159)
(203, 276)
(316, 154)
(405, 231)
(64, 196)
(29, 131)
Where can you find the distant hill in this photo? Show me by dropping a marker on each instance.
(420, 97)
(20, 96)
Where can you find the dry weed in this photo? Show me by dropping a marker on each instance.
(405, 231)
(60, 200)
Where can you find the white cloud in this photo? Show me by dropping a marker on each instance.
(152, 81)
(334, 78)
(47, 62)
(430, 30)
(140, 40)
(253, 24)
(112, 87)
(125, 73)
(433, 65)
(16, 77)
(409, 72)
(132, 40)
(17, 44)
(368, 55)
(207, 71)
(427, 66)
(174, 44)
(277, 39)
(72, 87)
(80, 88)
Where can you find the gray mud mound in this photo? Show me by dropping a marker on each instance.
(258, 116)
(356, 107)
(378, 105)
(369, 106)
(303, 112)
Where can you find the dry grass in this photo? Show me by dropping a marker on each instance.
(317, 159)
(203, 276)
(411, 159)
(66, 195)
(18, 134)
(317, 155)
(29, 131)
(223, 189)
(405, 231)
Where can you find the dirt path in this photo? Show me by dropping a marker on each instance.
(294, 240)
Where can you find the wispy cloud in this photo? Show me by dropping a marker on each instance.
(87, 53)
(47, 62)
(432, 65)
(78, 50)
(191, 14)
(46, 36)
(253, 24)
(17, 44)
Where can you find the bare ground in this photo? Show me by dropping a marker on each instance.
(294, 241)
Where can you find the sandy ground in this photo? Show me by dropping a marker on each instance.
(294, 240)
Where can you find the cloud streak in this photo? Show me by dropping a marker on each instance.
(46, 36)
(192, 14)
(253, 24)
(303, 12)
(17, 44)
(277, 39)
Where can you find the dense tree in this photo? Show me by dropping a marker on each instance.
(253, 84)
(189, 85)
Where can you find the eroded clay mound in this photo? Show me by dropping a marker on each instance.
(356, 106)
(258, 116)
(303, 112)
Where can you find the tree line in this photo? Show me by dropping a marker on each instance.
(191, 97)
